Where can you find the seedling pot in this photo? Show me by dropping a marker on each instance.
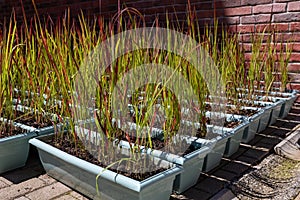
(191, 163)
(288, 100)
(81, 176)
(265, 115)
(14, 151)
(276, 111)
(233, 143)
(45, 130)
(250, 131)
(214, 157)
(237, 132)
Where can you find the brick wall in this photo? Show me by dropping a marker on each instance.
(248, 15)
(254, 15)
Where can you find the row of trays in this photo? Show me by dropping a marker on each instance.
(182, 171)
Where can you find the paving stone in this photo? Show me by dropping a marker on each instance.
(255, 153)
(224, 194)
(280, 123)
(281, 133)
(291, 125)
(269, 142)
(20, 175)
(77, 195)
(178, 197)
(224, 162)
(240, 151)
(225, 175)
(267, 145)
(65, 197)
(3, 184)
(256, 139)
(210, 185)
(295, 111)
(20, 189)
(295, 108)
(202, 177)
(22, 198)
(195, 194)
(268, 131)
(249, 160)
(292, 117)
(49, 192)
(236, 168)
(297, 197)
(47, 179)
(6, 181)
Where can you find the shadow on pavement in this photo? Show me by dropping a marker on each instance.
(33, 168)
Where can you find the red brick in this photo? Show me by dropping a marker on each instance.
(200, 5)
(205, 14)
(255, 2)
(155, 10)
(269, 8)
(246, 10)
(295, 86)
(291, 37)
(295, 26)
(263, 18)
(298, 99)
(282, 27)
(246, 28)
(247, 47)
(277, 46)
(294, 67)
(294, 82)
(295, 37)
(287, 17)
(227, 3)
(246, 37)
(155, 3)
(295, 46)
(247, 65)
(294, 6)
(205, 21)
(248, 56)
(295, 57)
(230, 20)
(280, 1)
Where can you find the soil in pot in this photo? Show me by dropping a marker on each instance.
(30, 120)
(247, 103)
(128, 167)
(270, 94)
(7, 129)
(157, 144)
(240, 111)
(231, 124)
(236, 110)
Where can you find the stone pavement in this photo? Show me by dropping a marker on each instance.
(31, 182)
